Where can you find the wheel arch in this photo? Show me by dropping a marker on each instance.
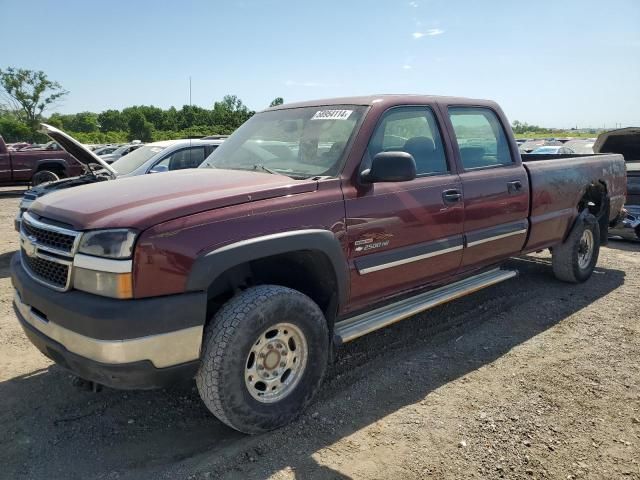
(310, 261)
(51, 163)
(595, 200)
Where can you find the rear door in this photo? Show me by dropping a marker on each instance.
(405, 234)
(494, 183)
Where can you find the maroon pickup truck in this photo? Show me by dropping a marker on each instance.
(313, 224)
(36, 166)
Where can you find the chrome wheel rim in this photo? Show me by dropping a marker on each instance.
(585, 249)
(276, 363)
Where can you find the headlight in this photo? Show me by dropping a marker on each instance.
(116, 243)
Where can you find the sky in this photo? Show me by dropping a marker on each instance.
(552, 63)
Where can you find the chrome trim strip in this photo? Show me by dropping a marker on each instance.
(497, 237)
(409, 260)
(359, 325)
(163, 350)
(102, 264)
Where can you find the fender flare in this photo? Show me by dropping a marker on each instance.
(211, 265)
(52, 161)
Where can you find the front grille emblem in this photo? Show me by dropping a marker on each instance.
(29, 245)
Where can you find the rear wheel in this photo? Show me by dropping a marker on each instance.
(43, 176)
(575, 259)
(264, 356)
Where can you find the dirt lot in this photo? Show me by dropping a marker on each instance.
(528, 379)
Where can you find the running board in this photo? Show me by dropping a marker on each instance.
(354, 327)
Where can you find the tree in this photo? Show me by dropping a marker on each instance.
(276, 101)
(139, 128)
(230, 112)
(30, 93)
(111, 121)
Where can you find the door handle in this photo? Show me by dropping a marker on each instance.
(451, 196)
(514, 187)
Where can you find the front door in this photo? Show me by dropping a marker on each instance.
(405, 234)
(495, 187)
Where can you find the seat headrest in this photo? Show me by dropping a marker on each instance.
(419, 146)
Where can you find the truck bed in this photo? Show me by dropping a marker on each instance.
(554, 197)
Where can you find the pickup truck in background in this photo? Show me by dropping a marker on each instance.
(626, 142)
(33, 167)
(312, 225)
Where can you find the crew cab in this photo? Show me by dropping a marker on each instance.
(36, 166)
(153, 157)
(312, 225)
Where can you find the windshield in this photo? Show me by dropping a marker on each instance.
(135, 159)
(297, 142)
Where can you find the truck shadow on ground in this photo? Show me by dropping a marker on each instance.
(53, 430)
(5, 264)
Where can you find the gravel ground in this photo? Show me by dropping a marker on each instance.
(531, 378)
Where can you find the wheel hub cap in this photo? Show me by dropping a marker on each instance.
(585, 249)
(276, 362)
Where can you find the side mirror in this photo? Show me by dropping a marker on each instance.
(390, 167)
(159, 169)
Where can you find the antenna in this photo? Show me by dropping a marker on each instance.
(189, 90)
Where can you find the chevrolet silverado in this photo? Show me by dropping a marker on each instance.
(313, 224)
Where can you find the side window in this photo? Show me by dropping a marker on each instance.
(185, 158)
(480, 136)
(413, 130)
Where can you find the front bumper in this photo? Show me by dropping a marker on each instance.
(139, 344)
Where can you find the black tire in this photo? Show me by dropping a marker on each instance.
(43, 176)
(569, 264)
(230, 339)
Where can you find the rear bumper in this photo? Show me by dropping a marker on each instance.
(133, 344)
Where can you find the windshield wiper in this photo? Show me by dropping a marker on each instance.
(267, 169)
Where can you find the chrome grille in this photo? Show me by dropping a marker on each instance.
(53, 273)
(54, 239)
(47, 252)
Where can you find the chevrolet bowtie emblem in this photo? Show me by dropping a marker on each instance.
(29, 246)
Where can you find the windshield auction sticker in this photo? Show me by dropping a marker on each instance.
(332, 115)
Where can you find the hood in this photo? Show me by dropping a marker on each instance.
(75, 148)
(147, 200)
(625, 141)
(45, 188)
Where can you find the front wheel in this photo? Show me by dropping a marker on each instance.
(44, 176)
(575, 259)
(264, 356)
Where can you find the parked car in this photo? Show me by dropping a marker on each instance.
(583, 147)
(34, 167)
(247, 273)
(531, 145)
(121, 152)
(106, 150)
(625, 141)
(151, 158)
(552, 150)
